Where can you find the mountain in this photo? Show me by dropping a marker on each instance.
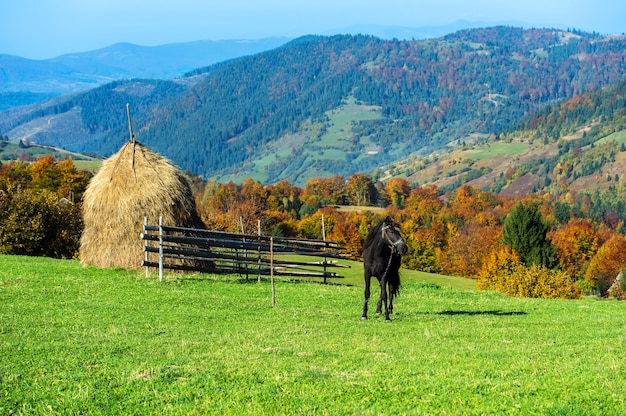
(25, 81)
(333, 105)
(577, 145)
(422, 32)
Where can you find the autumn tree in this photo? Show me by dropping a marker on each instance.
(424, 204)
(425, 247)
(329, 191)
(45, 173)
(34, 220)
(361, 190)
(576, 243)
(253, 192)
(397, 190)
(500, 262)
(311, 226)
(350, 233)
(607, 263)
(34, 223)
(15, 174)
(223, 198)
(284, 197)
(469, 247)
(469, 201)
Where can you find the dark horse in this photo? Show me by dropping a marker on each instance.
(382, 251)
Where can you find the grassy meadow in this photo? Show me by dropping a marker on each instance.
(77, 340)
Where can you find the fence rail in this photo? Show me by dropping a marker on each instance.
(190, 249)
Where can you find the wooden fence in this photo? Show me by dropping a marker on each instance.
(209, 251)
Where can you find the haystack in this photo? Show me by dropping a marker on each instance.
(132, 184)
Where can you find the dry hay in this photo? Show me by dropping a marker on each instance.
(132, 184)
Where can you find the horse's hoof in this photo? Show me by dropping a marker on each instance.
(363, 318)
(387, 320)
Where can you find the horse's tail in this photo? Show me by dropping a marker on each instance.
(393, 282)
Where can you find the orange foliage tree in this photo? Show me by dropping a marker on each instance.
(397, 190)
(607, 263)
(576, 243)
(468, 247)
(328, 191)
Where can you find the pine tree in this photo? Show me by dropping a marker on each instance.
(525, 232)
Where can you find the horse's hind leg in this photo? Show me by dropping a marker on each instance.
(379, 305)
(367, 296)
(383, 300)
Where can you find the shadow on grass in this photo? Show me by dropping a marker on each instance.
(493, 313)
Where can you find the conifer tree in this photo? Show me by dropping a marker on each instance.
(526, 233)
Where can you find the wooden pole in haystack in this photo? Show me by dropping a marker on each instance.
(130, 124)
(132, 137)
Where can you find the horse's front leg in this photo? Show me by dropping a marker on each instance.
(367, 296)
(392, 291)
(379, 305)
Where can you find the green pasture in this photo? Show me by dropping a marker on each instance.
(88, 165)
(77, 340)
(619, 136)
(10, 152)
(330, 146)
(497, 149)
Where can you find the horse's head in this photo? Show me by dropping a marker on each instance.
(392, 237)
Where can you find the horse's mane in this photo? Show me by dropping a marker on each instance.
(372, 235)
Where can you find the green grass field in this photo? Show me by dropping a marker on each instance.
(619, 136)
(77, 340)
(497, 149)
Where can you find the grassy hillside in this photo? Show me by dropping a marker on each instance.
(319, 144)
(12, 151)
(518, 166)
(98, 341)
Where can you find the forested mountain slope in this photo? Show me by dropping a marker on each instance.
(333, 105)
(578, 144)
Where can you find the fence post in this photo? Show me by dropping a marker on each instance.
(146, 244)
(324, 238)
(160, 248)
(259, 258)
(272, 270)
(242, 230)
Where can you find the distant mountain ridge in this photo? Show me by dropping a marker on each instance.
(25, 81)
(321, 106)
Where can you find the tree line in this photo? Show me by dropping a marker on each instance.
(539, 245)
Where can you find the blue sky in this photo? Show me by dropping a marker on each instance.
(39, 29)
